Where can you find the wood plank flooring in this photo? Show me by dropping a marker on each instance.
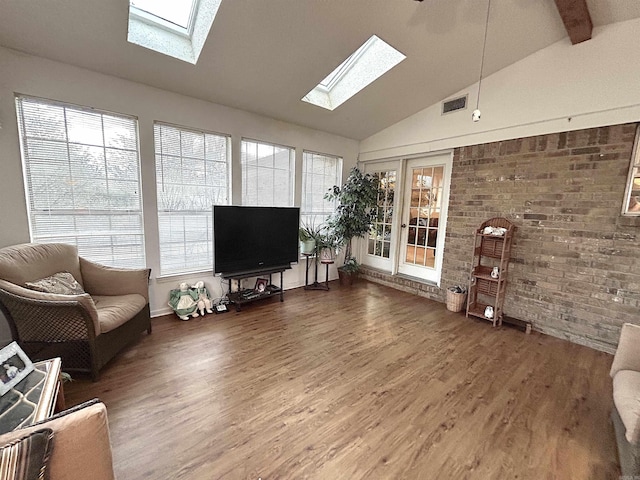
(361, 382)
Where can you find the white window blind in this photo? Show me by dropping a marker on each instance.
(319, 173)
(267, 174)
(82, 179)
(192, 174)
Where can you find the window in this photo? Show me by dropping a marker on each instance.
(179, 14)
(82, 180)
(319, 173)
(369, 62)
(177, 28)
(192, 174)
(267, 174)
(632, 198)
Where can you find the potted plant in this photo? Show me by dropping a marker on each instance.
(307, 240)
(357, 201)
(327, 244)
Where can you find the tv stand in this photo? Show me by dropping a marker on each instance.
(249, 295)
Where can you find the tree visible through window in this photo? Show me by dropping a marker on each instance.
(82, 179)
(192, 175)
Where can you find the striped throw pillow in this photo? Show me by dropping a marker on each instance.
(27, 457)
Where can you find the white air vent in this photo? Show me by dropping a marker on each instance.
(454, 104)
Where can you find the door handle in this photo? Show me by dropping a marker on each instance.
(404, 225)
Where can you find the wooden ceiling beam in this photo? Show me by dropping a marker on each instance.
(576, 18)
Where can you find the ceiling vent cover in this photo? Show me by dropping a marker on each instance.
(455, 104)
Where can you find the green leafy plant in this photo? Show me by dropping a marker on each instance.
(311, 231)
(304, 235)
(317, 234)
(351, 265)
(357, 200)
(327, 244)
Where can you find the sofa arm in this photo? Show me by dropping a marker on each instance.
(627, 355)
(39, 316)
(102, 280)
(81, 444)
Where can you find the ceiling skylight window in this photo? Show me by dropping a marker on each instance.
(177, 28)
(368, 63)
(178, 13)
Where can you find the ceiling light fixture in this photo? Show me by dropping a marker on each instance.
(475, 116)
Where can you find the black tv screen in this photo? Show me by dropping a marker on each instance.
(249, 239)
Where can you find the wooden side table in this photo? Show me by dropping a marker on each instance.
(35, 398)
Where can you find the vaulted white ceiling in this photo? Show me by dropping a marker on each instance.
(265, 55)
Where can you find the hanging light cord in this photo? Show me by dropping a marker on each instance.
(484, 47)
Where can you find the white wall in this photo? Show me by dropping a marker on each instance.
(594, 83)
(25, 74)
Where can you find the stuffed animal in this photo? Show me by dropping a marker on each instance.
(203, 299)
(183, 301)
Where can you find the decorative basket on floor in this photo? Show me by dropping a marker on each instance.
(455, 301)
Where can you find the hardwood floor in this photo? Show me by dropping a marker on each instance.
(356, 383)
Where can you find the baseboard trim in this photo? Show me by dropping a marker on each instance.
(160, 312)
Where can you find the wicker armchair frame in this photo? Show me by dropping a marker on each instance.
(46, 329)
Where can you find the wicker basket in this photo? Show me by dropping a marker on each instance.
(455, 301)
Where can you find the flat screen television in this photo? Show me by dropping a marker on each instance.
(247, 239)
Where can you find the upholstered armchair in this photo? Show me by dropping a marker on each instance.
(76, 446)
(625, 372)
(101, 313)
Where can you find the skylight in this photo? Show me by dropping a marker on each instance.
(368, 63)
(177, 28)
(175, 12)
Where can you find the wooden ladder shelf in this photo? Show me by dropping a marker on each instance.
(489, 251)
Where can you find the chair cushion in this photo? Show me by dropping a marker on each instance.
(61, 283)
(115, 310)
(26, 458)
(626, 396)
(31, 261)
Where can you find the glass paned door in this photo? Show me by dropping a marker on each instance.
(424, 213)
(380, 245)
(424, 216)
(379, 242)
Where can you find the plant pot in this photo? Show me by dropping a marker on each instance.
(327, 255)
(307, 247)
(347, 278)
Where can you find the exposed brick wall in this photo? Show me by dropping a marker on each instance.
(575, 263)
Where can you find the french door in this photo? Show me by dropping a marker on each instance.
(380, 247)
(407, 236)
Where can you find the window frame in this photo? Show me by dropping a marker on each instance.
(163, 23)
(337, 181)
(165, 273)
(244, 176)
(634, 173)
(28, 163)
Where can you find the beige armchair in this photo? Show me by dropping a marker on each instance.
(625, 372)
(86, 330)
(80, 442)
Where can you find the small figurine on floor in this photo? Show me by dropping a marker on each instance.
(183, 301)
(203, 298)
